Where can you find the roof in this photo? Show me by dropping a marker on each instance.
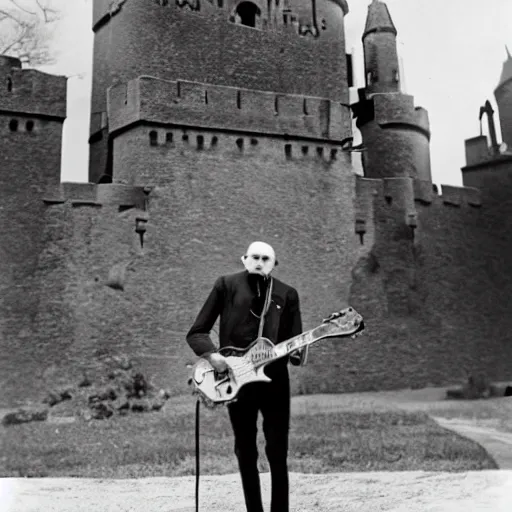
(343, 4)
(506, 73)
(378, 19)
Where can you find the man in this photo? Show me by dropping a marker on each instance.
(247, 302)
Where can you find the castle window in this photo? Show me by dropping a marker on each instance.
(220, 3)
(247, 14)
(240, 143)
(29, 125)
(215, 140)
(9, 84)
(305, 107)
(238, 99)
(169, 137)
(13, 125)
(153, 138)
(320, 151)
(200, 142)
(288, 150)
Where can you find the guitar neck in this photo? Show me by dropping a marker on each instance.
(303, 340)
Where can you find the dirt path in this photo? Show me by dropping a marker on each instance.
(429, 400)
(350, 492)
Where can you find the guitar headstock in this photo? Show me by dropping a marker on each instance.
(346, 322)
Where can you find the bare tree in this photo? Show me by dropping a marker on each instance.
(25, 30)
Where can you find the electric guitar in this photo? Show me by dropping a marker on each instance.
(247, 365)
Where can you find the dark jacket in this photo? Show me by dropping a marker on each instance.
(232, 298)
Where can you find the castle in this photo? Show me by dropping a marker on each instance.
(218, 122)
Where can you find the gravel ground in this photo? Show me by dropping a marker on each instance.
(476, 491)
(335, 492)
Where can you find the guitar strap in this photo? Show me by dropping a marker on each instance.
(266, 307)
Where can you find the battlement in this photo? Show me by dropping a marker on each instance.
(427, 193)
(391, 110)
(405, 191)
(32, 92)
(399, 109)
(195, 104)
(296, 19)
(460, 196)
(97, 195)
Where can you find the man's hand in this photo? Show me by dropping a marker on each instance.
(218, 361)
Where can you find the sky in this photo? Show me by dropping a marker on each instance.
(452, 53)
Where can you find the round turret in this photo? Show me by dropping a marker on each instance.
(380, 51)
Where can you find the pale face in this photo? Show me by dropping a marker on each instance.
(259, 259)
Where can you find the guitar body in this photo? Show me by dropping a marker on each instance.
(248, 365)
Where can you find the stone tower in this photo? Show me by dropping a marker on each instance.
(396, 134)
(274, 46)
(488, 163)
(380, 52)
(32, 112)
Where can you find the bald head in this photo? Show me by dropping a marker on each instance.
(260, 258)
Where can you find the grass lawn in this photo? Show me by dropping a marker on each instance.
(162, 444)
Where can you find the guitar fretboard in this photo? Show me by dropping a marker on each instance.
(306, 338)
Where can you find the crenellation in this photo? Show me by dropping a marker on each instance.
(398, 108)
(404, 191)
(32, 92)
(300, 21)
(460, 196)
(190, 93)
(183, 103)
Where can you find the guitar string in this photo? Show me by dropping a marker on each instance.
(250, 366)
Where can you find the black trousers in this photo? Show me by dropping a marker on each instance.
(273, 400)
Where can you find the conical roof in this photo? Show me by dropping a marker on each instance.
(506, 73)
(378, 19)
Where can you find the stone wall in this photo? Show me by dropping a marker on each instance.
(430, 276)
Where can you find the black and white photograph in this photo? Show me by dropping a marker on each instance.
(256, 256)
